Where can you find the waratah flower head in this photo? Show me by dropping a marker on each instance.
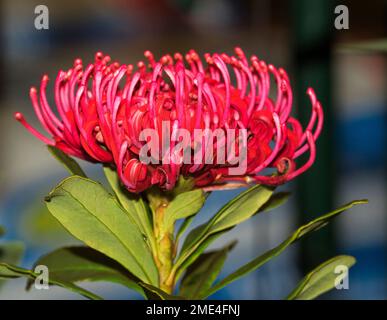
(103, 110)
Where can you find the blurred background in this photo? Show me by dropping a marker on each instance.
(347, 68)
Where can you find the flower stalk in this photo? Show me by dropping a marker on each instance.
(165, 246)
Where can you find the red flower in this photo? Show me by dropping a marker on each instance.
(103, 109)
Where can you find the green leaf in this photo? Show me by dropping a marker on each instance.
(200, 276)
(11, 252)
(182, 206)
(275, 201)
(9, 271)
(133, 204)
(154, 293)
(242, 209)
(321, 279)
(2, 231)
(183, 185)
(186, 223)
(301, 232)
(95, 217)
(234, 212)
(198, 251)
(69, 163)
(75, 264)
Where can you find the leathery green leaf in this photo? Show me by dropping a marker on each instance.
(183, 205)
(234, 212)
(69, 163)
(154, 293)
(11, 252)
(200, 276)
(95, 217)
(322, 279)
(78, 263)
(298, 234)
(9, 271)
(133, 204)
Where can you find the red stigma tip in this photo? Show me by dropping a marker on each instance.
(77, 61)
(178, 56)
(263, 66)
(129, 68)
(194, 55)
(18, 116)
(225, 57)
(98, 55)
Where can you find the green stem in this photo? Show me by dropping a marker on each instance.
(165, 248)
(166, 245)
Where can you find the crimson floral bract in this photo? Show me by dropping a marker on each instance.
(103, 108)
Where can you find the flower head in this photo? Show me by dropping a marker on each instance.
(103, 109)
